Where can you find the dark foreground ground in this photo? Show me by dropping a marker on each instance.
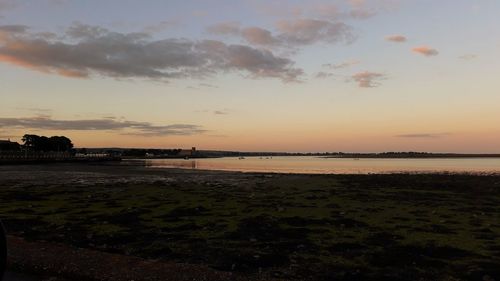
(257, 226)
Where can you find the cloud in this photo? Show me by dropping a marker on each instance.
(103, 124)
(341, 65)
(468, 57)
(206, 85)
(38, 110)
(357, 10)
(423, 135)
(221, 112)
(289, 33)
(360, 9)
(309, 31)
(396, 38)
(345, 9)
(260, 63)
(84, 51)
(323, 75)
(426, 51)
(259, 36)
(368, 79)
(224, 111)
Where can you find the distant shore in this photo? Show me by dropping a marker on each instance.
(411, 156)
(132, 153)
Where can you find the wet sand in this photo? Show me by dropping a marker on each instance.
(292, 227)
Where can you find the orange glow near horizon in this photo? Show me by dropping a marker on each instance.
(477, 142)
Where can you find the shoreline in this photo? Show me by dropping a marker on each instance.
(260, 225)
(401, 173)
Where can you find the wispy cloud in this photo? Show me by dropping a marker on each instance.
(206, 85)
(221, 112)
(323, 75)
(342, 65)
(331, 10)
(310, 31)
(349, 10)
(259, 36)
(252, 35)
(224, 111)
(104, 124)
(426, 51)
(292, 33)
(92, 50)
(396, 38)
(38, 110)
(361, 9)
(423, 135)
(368, 79)
(468, 57)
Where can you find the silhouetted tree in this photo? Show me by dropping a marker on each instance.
(30, 141)
(42, 143)
(59, 143)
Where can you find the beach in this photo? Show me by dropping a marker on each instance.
(258, 226)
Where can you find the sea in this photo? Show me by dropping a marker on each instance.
(322, 165)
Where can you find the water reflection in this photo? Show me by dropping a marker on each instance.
(318, 165)
(168, 163)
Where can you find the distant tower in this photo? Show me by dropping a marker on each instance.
(193, 150)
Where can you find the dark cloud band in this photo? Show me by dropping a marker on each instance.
(105, 124)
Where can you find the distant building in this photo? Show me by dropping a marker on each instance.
(187, 152)
(7, 145)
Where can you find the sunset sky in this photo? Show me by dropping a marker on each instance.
(345, 75)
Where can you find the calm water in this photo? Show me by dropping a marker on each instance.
(316, 165)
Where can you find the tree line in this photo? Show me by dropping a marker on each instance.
(45, 144)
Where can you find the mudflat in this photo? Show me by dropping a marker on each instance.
(257, 225)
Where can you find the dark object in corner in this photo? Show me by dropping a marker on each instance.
(3, 251)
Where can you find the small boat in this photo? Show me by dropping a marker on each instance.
(241, 157)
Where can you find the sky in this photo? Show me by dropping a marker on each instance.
(297, 76)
